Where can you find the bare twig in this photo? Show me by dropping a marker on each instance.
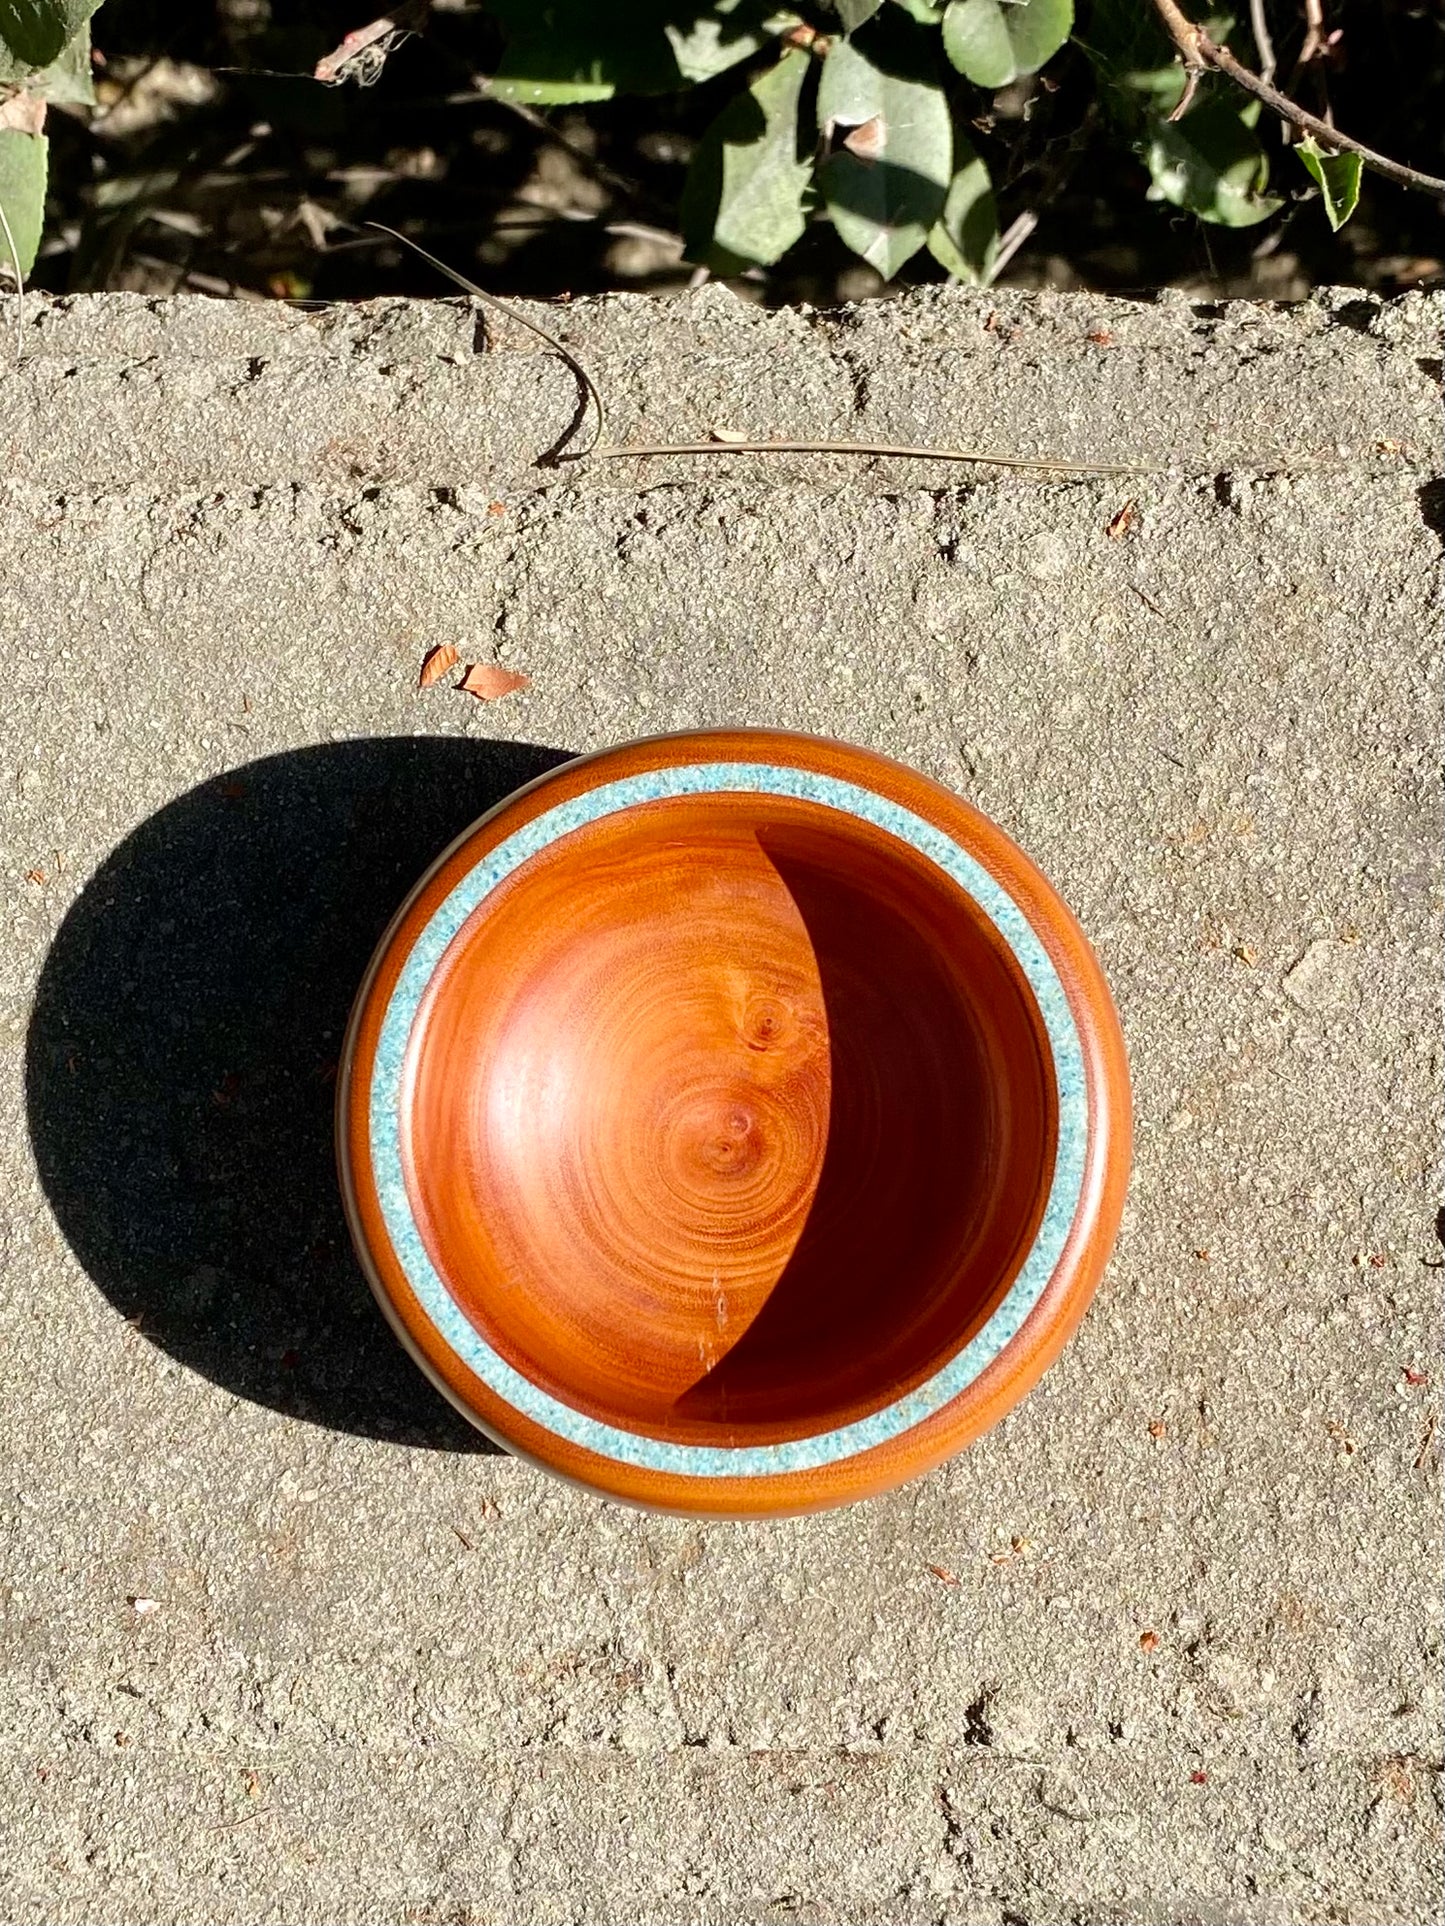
(1013, 238)
(1191, 87)
(629, 450)
(1315, 55)
(590, 387)
(1186, 36)
(230, 1825)
(1199, 52)
(1316, 39)
(1260, 26)
(901, 451)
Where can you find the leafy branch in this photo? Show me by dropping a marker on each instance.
(875, 116)
(1199, 51)
(44, 57)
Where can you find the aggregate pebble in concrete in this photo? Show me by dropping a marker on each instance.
(279, 1643)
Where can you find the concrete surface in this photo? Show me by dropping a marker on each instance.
(279, 1644)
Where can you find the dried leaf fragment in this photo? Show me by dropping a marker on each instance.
(1148, 1641)
(35, 876)
(496, 508)
(1198, 1778)
(1413, 1377)
(1394, 1776)
(942, 1573)
(1158, 1428)
(1100, 337)
(867, 139)
(23, 113)
(362, 52)
(489, 681)
(436, 662)
(1120, 524)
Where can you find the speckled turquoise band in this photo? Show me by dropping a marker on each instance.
(727, 1461)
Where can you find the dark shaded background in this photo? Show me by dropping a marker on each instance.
(221, 181)
(181, 1065)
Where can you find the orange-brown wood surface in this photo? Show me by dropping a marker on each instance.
(730, 1118)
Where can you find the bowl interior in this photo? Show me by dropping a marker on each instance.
(729, 1118)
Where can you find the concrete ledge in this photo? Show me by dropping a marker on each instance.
(1164, 1647)
(120, 392)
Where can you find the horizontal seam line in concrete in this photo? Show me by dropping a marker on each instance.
(986, 1757)
(1407, 479)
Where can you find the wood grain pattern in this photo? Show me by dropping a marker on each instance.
(729, 1120)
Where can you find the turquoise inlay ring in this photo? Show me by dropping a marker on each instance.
(756, 988)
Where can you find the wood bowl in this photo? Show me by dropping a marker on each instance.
(734, 1122)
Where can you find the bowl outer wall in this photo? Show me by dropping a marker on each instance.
(1022, 1360)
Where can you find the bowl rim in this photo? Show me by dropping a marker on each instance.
(978, 1380)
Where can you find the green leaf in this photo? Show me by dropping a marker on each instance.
(964, 238)
(744, 197)
(67, 79)
(24, 159)
(853, 13)
(35, 31)
(558, 51)
(1211, 163)
(885, 185)
(1336, 175)
(927, 13)
(711, 41)
(992, 42)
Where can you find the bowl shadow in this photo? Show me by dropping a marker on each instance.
(181, 1061)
